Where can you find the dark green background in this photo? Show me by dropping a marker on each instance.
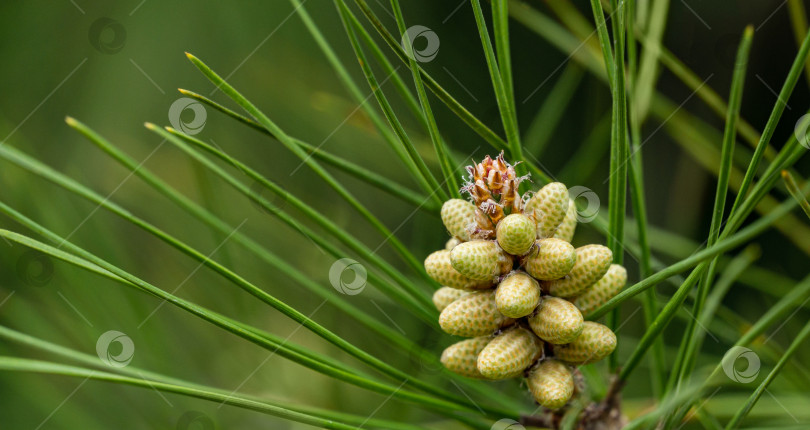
(270, 57)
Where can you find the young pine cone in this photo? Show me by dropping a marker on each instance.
(512, 283)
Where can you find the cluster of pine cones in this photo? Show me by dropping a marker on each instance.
(514, 284)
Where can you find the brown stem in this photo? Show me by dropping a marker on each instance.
(547, 420)
(603, 415)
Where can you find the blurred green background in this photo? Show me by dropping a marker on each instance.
(52, 69)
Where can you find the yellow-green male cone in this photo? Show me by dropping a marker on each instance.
(557, 321)
(515, 234)
(446, 295)
(476, 260)
(550, 259)
(593, 261)
(505, 263)
(438, 267)
(551, 383)
(517, 295)
(451, 243)
(603, 290)
(475, 314)
(462, 357)
(548, 208)
(568, 226)
(508, 354)
(457, 215)
(594, 343)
